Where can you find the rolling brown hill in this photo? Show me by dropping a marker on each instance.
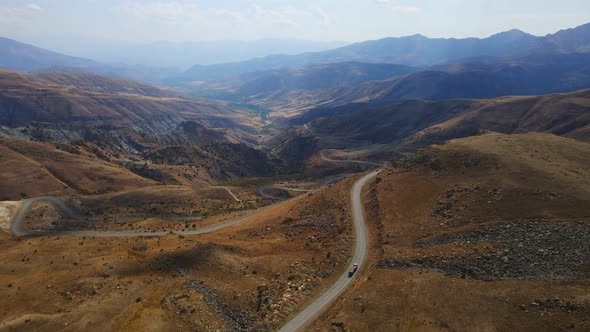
(42, 168)
(151, 134)
(563, 114)
(101, 84)
(219, 160)
(410, 125)
(483, 233)
(88, 100)
(125, 115)
(33, 169)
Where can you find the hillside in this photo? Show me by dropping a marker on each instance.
(565, 115)
(101, 84)
(33, 169)
(409, 125)
(66, 107)
(483, 233)
(104, 101)
(220, 160)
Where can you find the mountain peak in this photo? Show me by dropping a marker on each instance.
(417, 36)
(511, 34)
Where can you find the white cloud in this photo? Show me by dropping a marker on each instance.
(10, 15)
(18, 15)
(399, 8)
(254, 17)
(406, 9)
(273, 16)
(325, 18)
(34, 6)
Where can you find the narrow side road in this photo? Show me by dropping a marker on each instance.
(310, 313)
(17, 230)
(228, 191)
(15, 226)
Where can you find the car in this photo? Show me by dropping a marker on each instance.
(352, 271)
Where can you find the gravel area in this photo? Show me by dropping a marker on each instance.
(528, 250)
(234, 319)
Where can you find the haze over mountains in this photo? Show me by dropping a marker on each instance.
(183, 55)
(536, 74)
(414, 50)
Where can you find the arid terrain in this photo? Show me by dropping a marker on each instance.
(248, 276)
(398, 184)
(501, 217)
(485, 233)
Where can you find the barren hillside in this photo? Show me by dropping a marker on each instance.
(483, 233)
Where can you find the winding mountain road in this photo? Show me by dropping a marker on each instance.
(305, 317)
(16, 225)
(310, 313)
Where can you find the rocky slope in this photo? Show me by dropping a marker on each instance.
(66, 107)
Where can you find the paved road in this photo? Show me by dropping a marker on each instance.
(310, 313)
(323, 156)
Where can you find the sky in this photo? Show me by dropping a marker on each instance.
(51, 22)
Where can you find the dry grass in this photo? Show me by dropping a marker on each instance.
(518, 178)
(267, 267)
(48, 170)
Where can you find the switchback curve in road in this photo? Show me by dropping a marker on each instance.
(16, 225)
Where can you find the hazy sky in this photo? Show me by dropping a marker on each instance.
(55, 21)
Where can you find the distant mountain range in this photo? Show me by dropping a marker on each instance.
(23, 57)
(414, 50)
(263, 84)
(371, 72)
(19, 56)
(288, 92)
(184, 55)
(151, 61)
